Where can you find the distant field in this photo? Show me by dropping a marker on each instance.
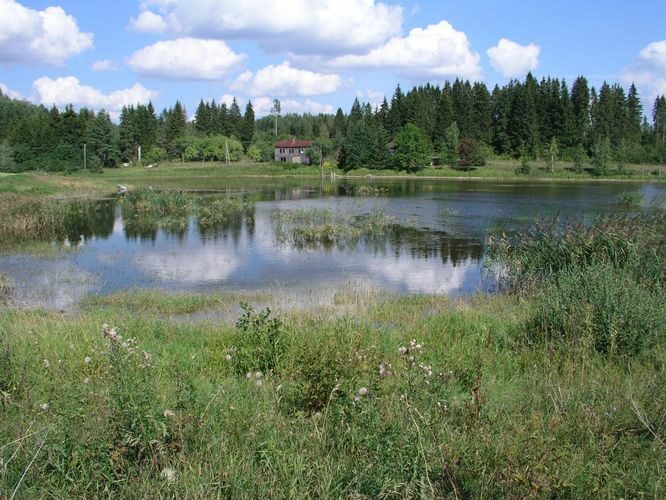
(88, 183)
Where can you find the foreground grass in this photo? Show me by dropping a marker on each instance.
(346, 405)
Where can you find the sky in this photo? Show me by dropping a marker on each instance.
(315, 55)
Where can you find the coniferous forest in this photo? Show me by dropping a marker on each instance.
(460, 123)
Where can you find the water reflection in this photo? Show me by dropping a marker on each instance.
(435, 243)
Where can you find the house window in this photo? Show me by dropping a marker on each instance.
(281, 150)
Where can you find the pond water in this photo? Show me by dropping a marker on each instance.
(436, 243)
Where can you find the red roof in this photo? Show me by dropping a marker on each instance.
(293, 144)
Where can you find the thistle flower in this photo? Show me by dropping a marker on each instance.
(168, 474)
(402, 350)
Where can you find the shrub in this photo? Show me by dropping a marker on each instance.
(470, 154)
(600, 306)
(259, 342)
(600, 285)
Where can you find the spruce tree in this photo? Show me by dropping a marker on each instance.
(248, 125)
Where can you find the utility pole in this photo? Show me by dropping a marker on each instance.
(139, 154)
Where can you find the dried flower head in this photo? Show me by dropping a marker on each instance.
(169, 414)
(168, 474)
(87, 360)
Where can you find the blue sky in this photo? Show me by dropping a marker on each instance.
(315, 55)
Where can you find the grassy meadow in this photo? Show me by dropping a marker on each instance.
(175, 174)
(553, 387)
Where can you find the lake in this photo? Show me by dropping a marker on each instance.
(436, 243)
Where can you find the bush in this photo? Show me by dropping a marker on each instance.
(155, 154)
(600, 284)
(259, 342)
(600, 306)
(470, 154)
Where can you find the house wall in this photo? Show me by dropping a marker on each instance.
(291, 155)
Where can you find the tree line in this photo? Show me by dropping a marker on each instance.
(460, 123)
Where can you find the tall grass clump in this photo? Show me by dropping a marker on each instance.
(5, 289)
(27, 218)
(146, 210)
(600, 284)
(312, 228)
(214, 213)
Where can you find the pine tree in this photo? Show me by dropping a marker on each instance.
(101, 140)
(248, 125)
(634, 116)
(580, 102)
(396, 115)
(235, 119)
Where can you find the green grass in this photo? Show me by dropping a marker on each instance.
(210, 174)
(172, 413)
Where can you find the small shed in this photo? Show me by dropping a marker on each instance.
(292, 151)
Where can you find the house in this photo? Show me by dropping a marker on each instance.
(292, 151)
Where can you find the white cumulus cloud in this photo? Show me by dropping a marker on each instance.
(105, 65)
(298, 26)
(185, 59)
(48, 36)
(148, 22)
(69, 90)
(648, 72)
(12, 94)
(512, 59)
(285, 80)
(438, 50)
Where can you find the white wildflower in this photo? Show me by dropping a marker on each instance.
(258, 375)
(86, 380)
(44, 406)
(259, 382)
(228, 357)
(402, 350)
(363, 391)
(248, 375)
(169, 414)
(168, 474)
(46, 363)
(88, 360)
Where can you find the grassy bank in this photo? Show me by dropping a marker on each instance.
(176, 174)
(411, 396)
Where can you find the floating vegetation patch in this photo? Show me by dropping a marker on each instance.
(631, 199)
(215, 213)
(371, 191)
(145, 211)
(311, 228)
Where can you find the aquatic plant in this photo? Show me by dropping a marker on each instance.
(307, 228)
